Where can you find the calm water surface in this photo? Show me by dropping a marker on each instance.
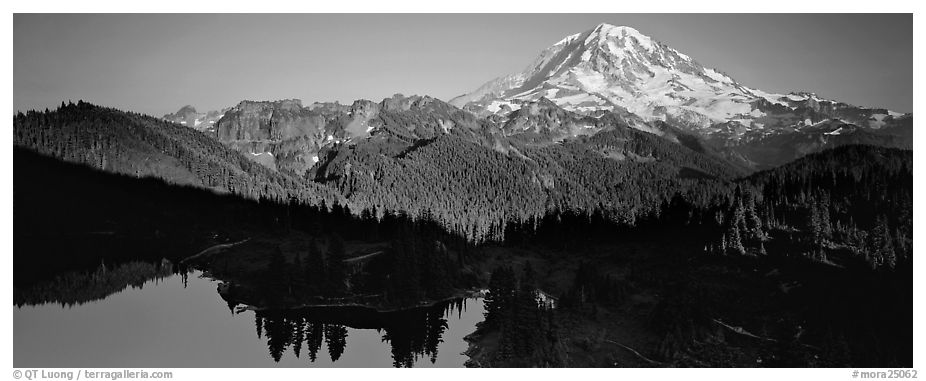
(167, 323)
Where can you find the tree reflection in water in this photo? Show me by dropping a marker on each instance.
(79, 287)
(412, 334)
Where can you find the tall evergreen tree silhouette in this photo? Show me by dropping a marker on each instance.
(336, 340)
(314, 337)
(315, 269)
(337, 275)
(276, 280)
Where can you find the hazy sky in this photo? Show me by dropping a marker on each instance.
(157, 63)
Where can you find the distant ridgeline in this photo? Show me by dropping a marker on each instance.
(485, 184)
(142, 146)
(458, 179)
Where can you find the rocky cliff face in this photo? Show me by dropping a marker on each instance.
(188, 116)
(281, 135)
(287, 136)
(260, 121)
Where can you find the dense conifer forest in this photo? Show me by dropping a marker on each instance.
(621, 220)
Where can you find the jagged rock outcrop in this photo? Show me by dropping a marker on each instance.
(188, 116)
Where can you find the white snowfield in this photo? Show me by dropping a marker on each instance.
(612, 67)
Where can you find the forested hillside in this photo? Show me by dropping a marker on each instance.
(143, 146)
(471, 178)
(857, 199)
(478, 183)
(477, 189)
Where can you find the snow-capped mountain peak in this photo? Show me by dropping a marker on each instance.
(606, 31)
(618, 68)
(611, 67)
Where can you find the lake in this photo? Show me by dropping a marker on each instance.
(181, 321)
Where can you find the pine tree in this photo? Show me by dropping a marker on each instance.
(734, 237)
(826, 229)
(815, 225)
(314, 269)
(499, 296)
(405, 278)
(315, 336)
(336, 340)
(884, 247)
(753, 222)
(336, 272)
(526, 315)
(736, 228)
(723, 244)
(435, 271)
(900, 245)
(297, 274)
(276, 282)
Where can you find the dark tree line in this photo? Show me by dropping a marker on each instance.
(590, 288)
(853, 199)
(525, 324)
(310, 274)
(857, 198)
(415, 266)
